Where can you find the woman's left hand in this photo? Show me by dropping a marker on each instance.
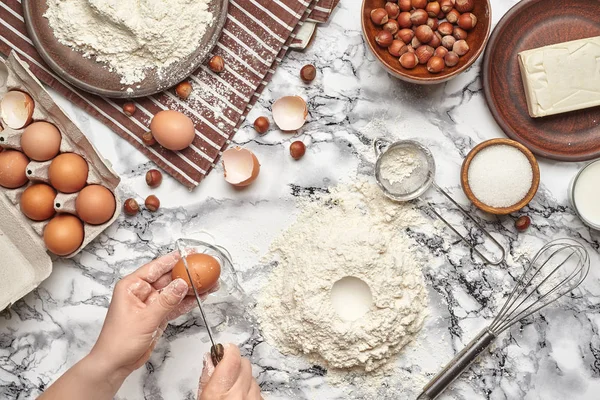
(142, 305)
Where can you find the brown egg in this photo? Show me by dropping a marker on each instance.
(63, 234)
(95, 204)
(172, 129)
(37, 202)
(41, 141)
(205, 271)
(13, 167)
(68, 173)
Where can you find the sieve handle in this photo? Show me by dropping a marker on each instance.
(380, 145)
(457, 365)
(477, 224)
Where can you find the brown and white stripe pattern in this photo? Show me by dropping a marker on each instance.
(255, 39)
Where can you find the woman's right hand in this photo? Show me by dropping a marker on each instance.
(231, 379)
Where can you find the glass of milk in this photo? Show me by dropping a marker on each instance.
(584, 193)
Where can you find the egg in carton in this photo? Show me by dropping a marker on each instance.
(25, 258)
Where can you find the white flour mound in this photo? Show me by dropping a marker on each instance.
(354, 231)
(131, 35)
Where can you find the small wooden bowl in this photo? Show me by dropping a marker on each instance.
(477, 39)
(464, 176)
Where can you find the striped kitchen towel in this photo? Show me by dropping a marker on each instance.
(256, 37)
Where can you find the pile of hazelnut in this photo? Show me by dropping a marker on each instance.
(425, 32)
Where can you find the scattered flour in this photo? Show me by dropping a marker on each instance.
(353, 231)
(131, 36)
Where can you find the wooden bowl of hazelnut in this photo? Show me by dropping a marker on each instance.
(423, 41)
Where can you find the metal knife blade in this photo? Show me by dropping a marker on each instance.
(216, 350)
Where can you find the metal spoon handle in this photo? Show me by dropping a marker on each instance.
(457, 365)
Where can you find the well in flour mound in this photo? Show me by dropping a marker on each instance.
(131, 36)
(355, 231)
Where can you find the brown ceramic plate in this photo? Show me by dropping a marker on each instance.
(94, 77)
(573, 136)
(476, 39)
(464, 176)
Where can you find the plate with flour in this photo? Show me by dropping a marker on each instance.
(124, 48)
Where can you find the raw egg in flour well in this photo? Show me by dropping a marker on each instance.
(204, 269)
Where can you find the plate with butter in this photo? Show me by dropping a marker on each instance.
(541, 77)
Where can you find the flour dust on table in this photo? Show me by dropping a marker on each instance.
(350, 239)
(131, 36)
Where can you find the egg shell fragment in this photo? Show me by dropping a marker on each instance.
(290, 112)
(240, 166)
(16, 109)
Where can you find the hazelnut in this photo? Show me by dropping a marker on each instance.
(441, 15)
(445, 28)
(433, 9)
(467, 21)
(424, 53)
(308, 73)
(435, 64)
(408, 60)
(406, 35)
(384, 38)
(261, 124)
(415, 43)
(131, 207)
(148, 139)
(379, 16)
(419, 17)
(522, 223)
(153, 178)
(418, 3)
(297, 150)
(460, 47)
(404, 20)
(452, 16)
(216, 64)
(433, 23)
(183, 90)
(448, 42)
(407, 48)
(446, 6)
(464, 6)
(392, 10)
(391, 26)
(152, 203)
(459, 33)
(451, 59)
(129, 109)
(440, 52)
(395, 48)
(424, 34)
(436, 41)
(404, 5)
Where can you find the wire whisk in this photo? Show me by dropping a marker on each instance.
(558, 267)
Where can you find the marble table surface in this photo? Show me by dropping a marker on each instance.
(554, 355)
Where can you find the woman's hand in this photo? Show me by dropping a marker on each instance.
(231, 379)
(142, 305)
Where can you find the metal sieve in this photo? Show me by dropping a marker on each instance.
(418, 182)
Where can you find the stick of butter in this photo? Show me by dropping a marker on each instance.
(562, 77)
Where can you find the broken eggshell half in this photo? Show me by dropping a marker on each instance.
(240, 166)
(290, 112)
(16, 109)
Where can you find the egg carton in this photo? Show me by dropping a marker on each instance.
(23, 254)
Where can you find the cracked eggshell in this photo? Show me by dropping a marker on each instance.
(290, 112)
(16, 109)
(240, 166)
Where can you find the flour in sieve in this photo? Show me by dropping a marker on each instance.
(398, 164)
(354, 231)
(131, 36)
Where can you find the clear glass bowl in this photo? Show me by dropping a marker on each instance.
(571, 194)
